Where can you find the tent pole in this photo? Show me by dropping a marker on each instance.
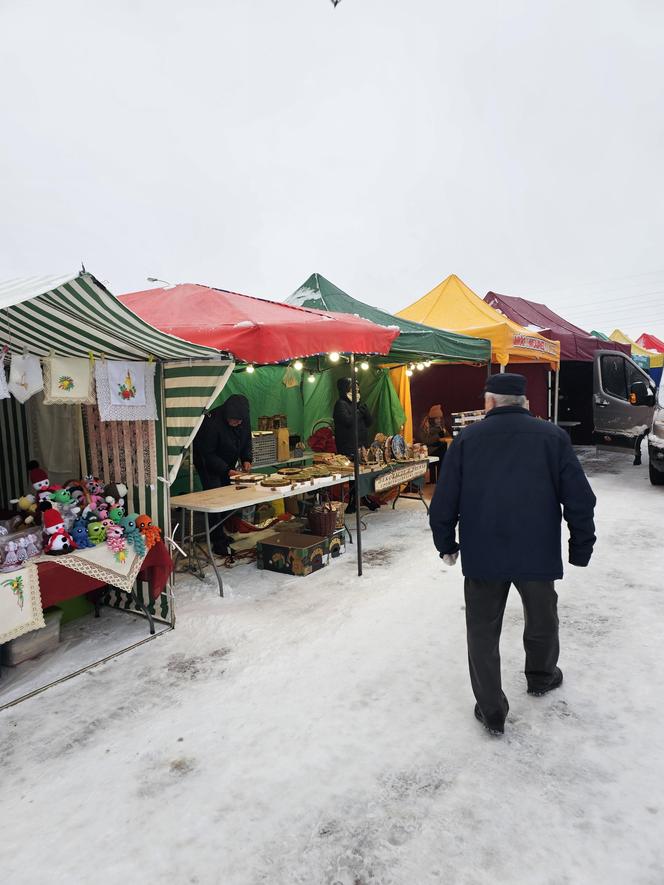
(356, 467)
(555, 396)
(548, 392)
(502, 368)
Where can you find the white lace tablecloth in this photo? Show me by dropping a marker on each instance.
(20, 602)
(100, 563)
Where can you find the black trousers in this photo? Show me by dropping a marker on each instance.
(485, 606)
(209, 480)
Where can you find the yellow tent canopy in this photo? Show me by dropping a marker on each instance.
(455, 307)
(656, 359)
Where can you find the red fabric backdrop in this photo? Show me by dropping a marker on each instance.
(460, 388)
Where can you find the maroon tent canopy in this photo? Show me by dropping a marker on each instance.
(575, 343)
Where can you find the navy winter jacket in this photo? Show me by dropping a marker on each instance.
(505, 480)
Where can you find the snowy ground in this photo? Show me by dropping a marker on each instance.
(320, 730)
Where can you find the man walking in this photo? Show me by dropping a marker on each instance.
(505, 480)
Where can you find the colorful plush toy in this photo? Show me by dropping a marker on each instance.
(96, 532)
(115, 494)
(40, 482)
(29, 510)
(116, 514)
(80, 534)
(151, 532)
(116, 541)
(59, 541)
(133, 534)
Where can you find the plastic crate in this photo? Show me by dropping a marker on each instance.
(264, 444)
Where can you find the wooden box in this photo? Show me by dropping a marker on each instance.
(293, 553)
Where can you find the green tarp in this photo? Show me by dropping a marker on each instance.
(416, 341)
(308, 404)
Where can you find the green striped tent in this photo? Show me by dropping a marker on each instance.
(75, 315)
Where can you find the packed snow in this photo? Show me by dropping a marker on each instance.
(321, 730)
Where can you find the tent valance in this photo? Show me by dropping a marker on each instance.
(575, 343)
(414, 342)
(252, 329)
(454, 306)
(75, 314)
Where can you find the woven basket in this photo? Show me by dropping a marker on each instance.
(339, 508)
(323, 520)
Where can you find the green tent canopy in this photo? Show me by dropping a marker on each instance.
(600, 335)
(416, 341)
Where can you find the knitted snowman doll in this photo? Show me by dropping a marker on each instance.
(58, 540)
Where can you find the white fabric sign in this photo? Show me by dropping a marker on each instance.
(127, 383)
(109, 411)
(68, 379)
(25, 377)
(20, 603)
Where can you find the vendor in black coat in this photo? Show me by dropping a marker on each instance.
(343, 419)
(222, 445)
(506, 481)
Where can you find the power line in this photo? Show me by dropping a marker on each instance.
(575, 286)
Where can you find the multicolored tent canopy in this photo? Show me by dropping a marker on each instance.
(575, 343)
(414, 342)
(651, 342)
(454, 306)
(655, 360)
(252, 329)
(75, 315)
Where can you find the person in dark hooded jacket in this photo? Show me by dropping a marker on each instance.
(343, 420)
(223, 444)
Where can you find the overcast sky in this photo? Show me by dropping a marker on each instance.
(384, 144)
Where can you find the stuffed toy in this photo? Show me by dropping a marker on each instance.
(95, 508)
(96, 532)
(29, 510)
(116, 514)
(116, 541)
(58, 541)
(94, 486)
(132, 533)
(115, 494)
(40, 482)
(80, 534)
(151, 532)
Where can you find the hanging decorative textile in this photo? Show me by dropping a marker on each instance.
(20, 603)
(110, 410)
(4, 389)
(127, 383)
(25, 377)
(68, 379)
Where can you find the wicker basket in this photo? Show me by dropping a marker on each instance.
(323, 519)
(339, 508)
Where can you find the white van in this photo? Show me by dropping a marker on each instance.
(656, 442)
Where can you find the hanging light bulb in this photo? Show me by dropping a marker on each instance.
(412, 367)
(364, 366)
(420, 367)
(298, 365)
(333, 357)
(409, 373)
(311, 378)
(251, 368)
(427, 363)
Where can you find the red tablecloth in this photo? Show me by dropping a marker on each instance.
(57, 583)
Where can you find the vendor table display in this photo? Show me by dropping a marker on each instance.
(228, 500)
(47, 581)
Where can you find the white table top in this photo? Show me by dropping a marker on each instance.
(227, 498)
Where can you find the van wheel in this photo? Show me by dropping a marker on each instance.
(656, 476)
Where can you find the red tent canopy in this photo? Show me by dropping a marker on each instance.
(252, 329)
(651, 342)
(575, 343)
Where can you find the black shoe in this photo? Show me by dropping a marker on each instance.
(495, 724)
(370, 504)
(556, 682)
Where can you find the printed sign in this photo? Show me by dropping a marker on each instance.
(399, 475)
(533, 343)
